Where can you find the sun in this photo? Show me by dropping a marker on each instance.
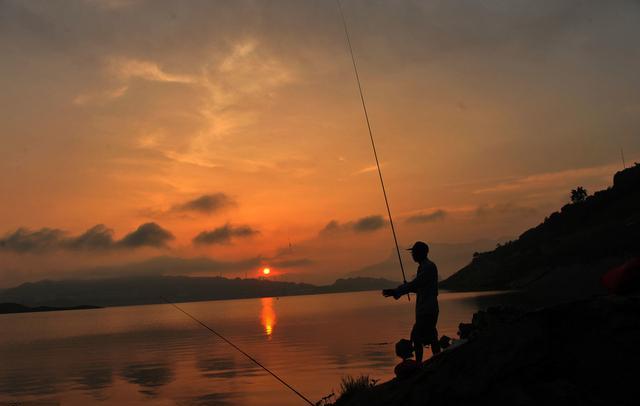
(266, 271)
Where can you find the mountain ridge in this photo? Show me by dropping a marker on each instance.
(139, 290)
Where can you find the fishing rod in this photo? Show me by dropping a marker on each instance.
(255, 361)
(373, 144)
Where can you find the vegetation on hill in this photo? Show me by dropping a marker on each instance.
(573, 246)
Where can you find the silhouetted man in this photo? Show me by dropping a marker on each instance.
(425, 286)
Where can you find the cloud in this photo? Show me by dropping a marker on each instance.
(23, 240)
(331, 227)
(362, 225)
(551, 180)
(206, 204)
(224, 89)
(102, 96)
(126, 68)
(97, 238)
(367, 169)
(504, 209)
(224, 234)
(112, 4)
(148, 234)
(369, 223)
(427, 217)
(293, 263)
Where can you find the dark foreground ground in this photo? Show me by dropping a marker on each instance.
(581, 353)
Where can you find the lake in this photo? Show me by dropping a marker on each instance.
(155, 354)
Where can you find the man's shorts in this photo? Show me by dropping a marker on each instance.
(424, 331)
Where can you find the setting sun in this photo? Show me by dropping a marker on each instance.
(266, 271)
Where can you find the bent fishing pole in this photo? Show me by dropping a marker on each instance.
(255, 361)
(373, 144)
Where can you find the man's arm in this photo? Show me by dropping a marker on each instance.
(409, 287)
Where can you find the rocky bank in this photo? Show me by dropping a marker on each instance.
(579, 353)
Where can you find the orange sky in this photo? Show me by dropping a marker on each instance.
(235, 127)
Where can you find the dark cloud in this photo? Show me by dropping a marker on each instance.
(369, 223)
(362, 225)
(23, 240)
(224, 234)
(206, 204)
(504, 209)
(147, 235)
(529, 23)
(331, 227)
(427, 217)
(97, 238)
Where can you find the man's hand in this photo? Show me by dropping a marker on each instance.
(390, 293)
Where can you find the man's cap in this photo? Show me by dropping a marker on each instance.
(419, 246)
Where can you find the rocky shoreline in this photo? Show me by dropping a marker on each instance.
(579, 352)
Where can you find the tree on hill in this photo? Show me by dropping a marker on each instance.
(578, 195)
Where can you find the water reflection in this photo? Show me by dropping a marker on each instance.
(217, 367)
(148, 377)
(378, 355)
(267, 315)
(212, 399)
(94, 379)
(154, 355)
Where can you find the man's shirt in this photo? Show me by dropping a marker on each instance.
(425, 286)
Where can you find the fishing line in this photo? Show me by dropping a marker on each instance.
(373, 144)
(255, 361)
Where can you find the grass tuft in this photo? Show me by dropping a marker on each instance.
(350, 385)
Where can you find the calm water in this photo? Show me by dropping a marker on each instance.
(156, 355)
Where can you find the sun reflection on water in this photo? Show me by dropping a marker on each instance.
(268, 315)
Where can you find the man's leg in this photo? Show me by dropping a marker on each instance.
(435, 343)
(417, 347)
(433, 335)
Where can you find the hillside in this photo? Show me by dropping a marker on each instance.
(148, 290)
(569, 251)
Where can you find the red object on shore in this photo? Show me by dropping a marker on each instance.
(406, 368)
(623, 279)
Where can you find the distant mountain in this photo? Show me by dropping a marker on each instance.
(152, 289)
(569, 251)
(18, 308)
(449, 257)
